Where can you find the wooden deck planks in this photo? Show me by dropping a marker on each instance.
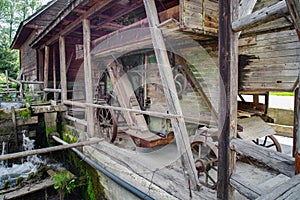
(288, 190)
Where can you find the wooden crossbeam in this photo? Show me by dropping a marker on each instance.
(261, 16)
(49, 149)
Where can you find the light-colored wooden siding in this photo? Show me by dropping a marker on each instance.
(199, 15)
(271, 61)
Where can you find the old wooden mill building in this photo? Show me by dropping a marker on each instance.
(162, 81)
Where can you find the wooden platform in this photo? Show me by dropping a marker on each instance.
(288, 190)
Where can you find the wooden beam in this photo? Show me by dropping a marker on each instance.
(295, 124)
(268, 157)
(226, 99)
(233, 63)
(49, 149)
(46, 69)
(73, 25)
(288, 190)
(40, 65)
(294, 9)
(246, 7)
(88, 78)
(54, 72)
(261, 16)
(178, 125)
(63, 68)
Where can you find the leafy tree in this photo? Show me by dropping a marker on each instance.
(9, 59)
(12, 13)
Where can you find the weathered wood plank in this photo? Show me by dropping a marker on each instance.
(168, 178)
(178, 124)
(254, 127)
(273, 159)
(288, 190)
(294, 8)
(46, 68)
(261, 16)
(247, 189)
(63, 68)
(28, 189)
(88, 77)
(48, 149)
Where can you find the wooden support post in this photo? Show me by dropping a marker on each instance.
(40, 65)
(63, 68)
(294, 9)
(266, 103)
(54, 72)
(228, 64)
(255, 99)
(178, 125)
(88, 78)
(46, 70)
(295, 128)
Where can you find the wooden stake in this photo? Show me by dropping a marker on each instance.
(88, 78)
(178, 125)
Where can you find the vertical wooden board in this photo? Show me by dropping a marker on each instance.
(88, 78)
(63, 68)
(199, 14)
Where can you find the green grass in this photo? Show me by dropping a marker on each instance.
(282, 93)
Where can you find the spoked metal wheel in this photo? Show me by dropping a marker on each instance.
(205, 155)
(107, 124)
(268, 141)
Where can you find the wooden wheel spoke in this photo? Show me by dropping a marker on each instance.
(268, 142)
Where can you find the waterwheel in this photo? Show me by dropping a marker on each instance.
(107, 124)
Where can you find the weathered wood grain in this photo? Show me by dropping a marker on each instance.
(262, 16)
(273, 159)
(288, 190)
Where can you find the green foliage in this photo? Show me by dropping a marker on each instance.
(282, 93)
(64, 183)
(25, 114)
(12, 13)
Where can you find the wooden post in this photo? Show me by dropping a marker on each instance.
(40, 65)
(63, 69)
(295, 128)
(228, 64)
(178, 125)
(46, 70)
(88, 78)
(54, 72)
